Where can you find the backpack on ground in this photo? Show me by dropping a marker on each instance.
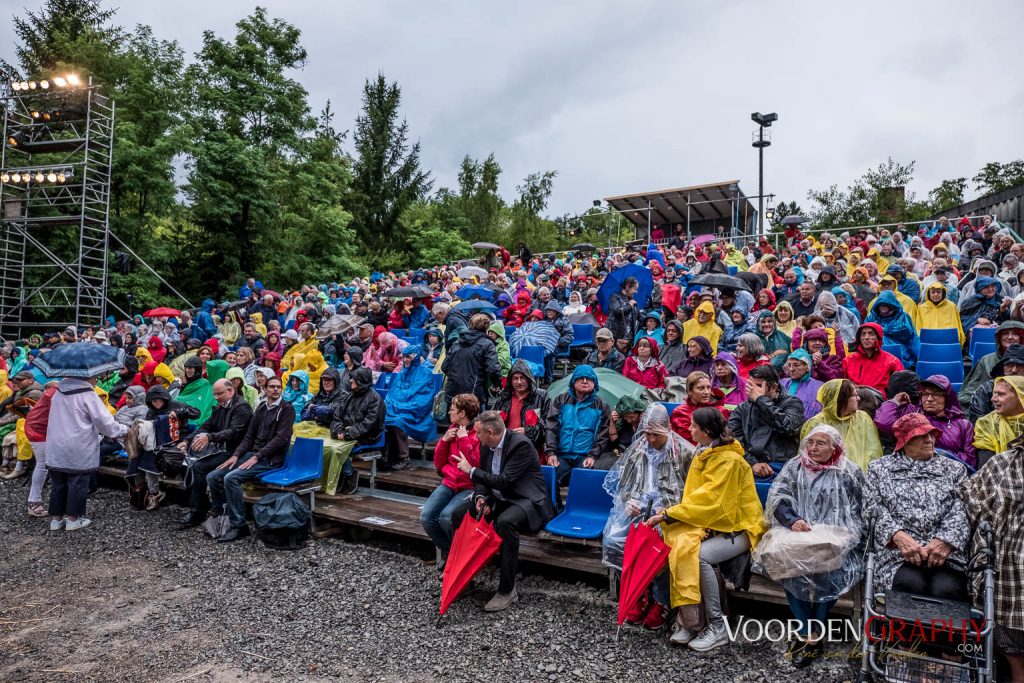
(282, 520)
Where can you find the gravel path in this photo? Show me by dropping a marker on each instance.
(133, 599)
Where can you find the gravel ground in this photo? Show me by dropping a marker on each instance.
(133, 599)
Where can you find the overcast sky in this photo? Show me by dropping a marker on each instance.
(630, 96)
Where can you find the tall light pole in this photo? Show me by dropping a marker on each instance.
(763, 121)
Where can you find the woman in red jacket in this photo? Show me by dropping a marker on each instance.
(643, 366)
(699, 394)
(444, 510)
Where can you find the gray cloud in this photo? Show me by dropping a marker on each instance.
(626, 97)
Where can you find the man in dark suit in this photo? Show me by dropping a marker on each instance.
(509, 488)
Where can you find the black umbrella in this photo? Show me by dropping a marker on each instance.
(755, 281)
(586, 246)
(485, 245)
(719, 281)
(413, 292)
(795, 220)
(235, 305)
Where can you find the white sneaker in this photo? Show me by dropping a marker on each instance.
(79, 523)
(56, 524)
(710, 638)
(682, 636)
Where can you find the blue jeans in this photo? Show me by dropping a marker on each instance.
(566, 463)
(806, 611)
(226, 488)
(442, 513)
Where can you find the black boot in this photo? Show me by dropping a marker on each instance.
(191, 519)
(234, 534)
(806, 655)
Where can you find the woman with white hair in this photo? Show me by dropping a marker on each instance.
(816, 497)
(649, 476)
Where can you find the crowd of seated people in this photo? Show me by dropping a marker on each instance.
(806, 364)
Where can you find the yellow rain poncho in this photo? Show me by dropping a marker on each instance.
(860, 436)
(249, 393)
(289, 359)
(143, 354)
(106, 399)
(719, 495)
(5, 388)
(734, 257)
(315, 366)
(941, 316)
(787, 327)
(257, 320)
(993, 432)
(710, 331)
(230, 330)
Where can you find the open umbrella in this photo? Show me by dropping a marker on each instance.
(613, 284)
(611, 386)
(643, 558)
(474, 543)
(485, 245)
(162, 312)
(719, 281)
(235, 305)
(584, 319)
(476, 305)
(469, 291)
(471, 271)
(701, 239)
(795, 220)
(534, 333)
(585, 246)
(81, 359)
(412, 292)
(339, 323)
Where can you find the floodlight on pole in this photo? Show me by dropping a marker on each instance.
(760, 142)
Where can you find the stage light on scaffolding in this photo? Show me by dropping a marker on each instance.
(44, 84)
(16, 178)
(769, 213)
(60, 81)
(24, 85)
(36, 114)
(5, 177)
(61, 177)
(51, 177)
(73, 79)
(40, 176)
(32, 85)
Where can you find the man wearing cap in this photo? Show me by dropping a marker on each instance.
(605, 355)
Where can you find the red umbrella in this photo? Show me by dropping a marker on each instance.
(643, 558)
(475, 542)
(161, 312)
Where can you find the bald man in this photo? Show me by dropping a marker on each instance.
(212, 444)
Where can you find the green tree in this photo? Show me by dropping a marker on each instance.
(870, 199)
(948, 194)
(433, 229)
(996, 177)
(478, 198)
(249, 121)
(524, 216)
(387, 178)
(61, 31)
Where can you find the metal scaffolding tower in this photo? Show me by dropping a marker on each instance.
(55, 173)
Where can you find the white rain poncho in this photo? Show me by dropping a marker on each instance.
(644, 477)
(828, 497)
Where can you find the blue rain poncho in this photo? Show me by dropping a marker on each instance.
(410, 399)
(898, 327)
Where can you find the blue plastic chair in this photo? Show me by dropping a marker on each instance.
(896, 350)
(583, 336)
(670, 407)
(942, 353)
(953, 371)
(399, 332)
(376, 446)
(982, 349)
(947, 335)
(549, 481)
(533, 354)
(982, 335)
(509, 331)
(384, 381)
(763, 484)
(438, 383)
(586, 507)
(415, 336)
(304, 462)
(733, 269)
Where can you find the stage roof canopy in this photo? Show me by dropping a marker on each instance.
(711, 202)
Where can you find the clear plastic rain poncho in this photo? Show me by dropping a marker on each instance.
(824, 563)
(644, 476)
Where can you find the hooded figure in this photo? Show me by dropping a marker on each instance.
(410, 399)
(956, 433)
(939, 315)
(871, 367)
(978, 307)
(500, 346)
(137, 410)
(247, 392)
(835, 315)
(576, 427)
(906, 284)
(785, 309)
(805, 387)
(321, 408)
(709, 329)
(897, 325)
(649, 372)
(776, 343)
(198, 391)
(298, 397)
(562, 324)
(524, 411)
(700, 363)
(657, 333)
(671, 353)
(360, 417)
(857, 430)
(994, 432)
(818, 493)
(644, 476)
(156, 349)
(1008, 333)
(734, 390)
